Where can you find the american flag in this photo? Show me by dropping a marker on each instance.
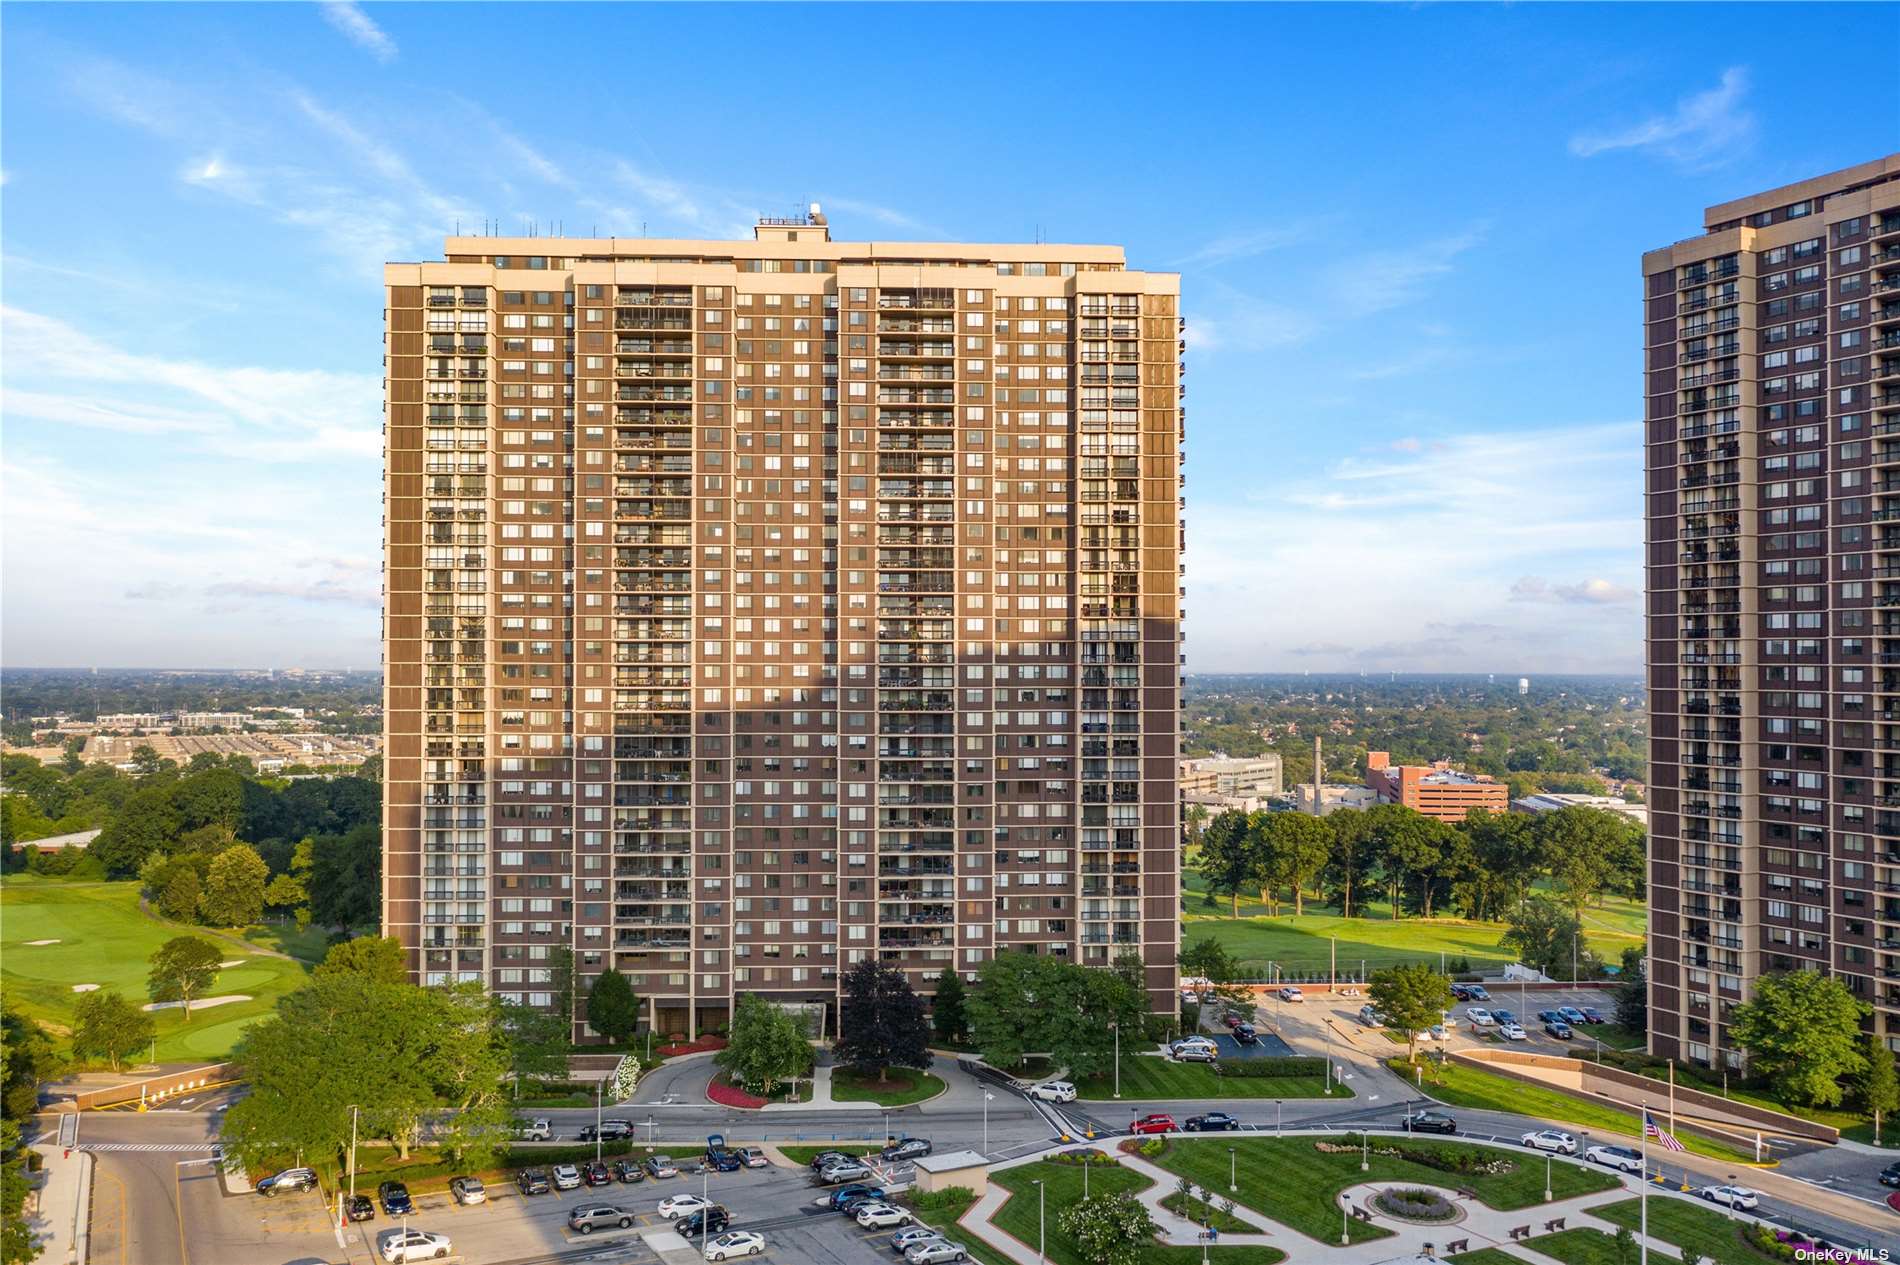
(1663, 1136)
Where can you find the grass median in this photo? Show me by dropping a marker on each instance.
(902, 1087)
(1146, 1076)
(1461, 1085)
(1063, 1188)
(1714, 1235)
(1292, 1181)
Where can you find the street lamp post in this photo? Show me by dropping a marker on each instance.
(597, 1085)
(1731, 1196)
(1365, 1151)
(1041, 1238)
(987, 1095)
(353, 1110)
(1233, 1171)
(1116, 1027)
(1345, 1214)
(1278, 1114)
(1546, 1176)
(705, 1213)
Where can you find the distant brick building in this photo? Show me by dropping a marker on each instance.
(1437, 790)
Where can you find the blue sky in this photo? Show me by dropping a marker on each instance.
(1409, 240)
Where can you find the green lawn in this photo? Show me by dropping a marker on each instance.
(1063, 1187)
(1486, 1256)
(1703, 1229)
(806, 1154)
(904, 1087)
(1146, 1076)
(1296, 1184)
(105, 939)
(1581, 1246)
(1461, 1085)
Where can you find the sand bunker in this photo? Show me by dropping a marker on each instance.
(231, 963)
(37, 943)
(85, 988)
(202, 1003)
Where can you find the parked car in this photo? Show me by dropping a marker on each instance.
(907, 1149)
(734, 1243)
(467, 1190)
(1198, 1053)
(1559, 1029)
(1232, 1020)
(395, 1199)
(1213, 1121)
(825, 1159)
(1052, 1091)
(1553, 1140)
(1190, 1043)
(904, 1240)
(629, 1171)
(588, 1218)
(289, 1179)
(1292, 995)
(1513, 1032)
(1476, 992)
(1549, 1016)
(597, 1173)
(1246, 1034)
(399, 1247)
(724, 1161)
(1369, 1016)
(838, 1198)
(1479, 1017)
(850, 1206)
(1890, 1175)
(753, 1157)
(533, 1181)
(1431, 1120)
(1437, 1032)
(661, 1166)
(1626, 1158)
(1731, 1196)
(679, 1205)
(1503, 1016)
(1572, 1015)
(607, 1131)
(934, 1252)
(566, 1177)
(1461, 991)
(843, 1171)
(1154, 1122)
(706, 1221)
(881, 1216)
(359, 1208)
(538, 1130)
(1591, 1014)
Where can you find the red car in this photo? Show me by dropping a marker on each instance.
(1156, 1123)
(1232, 1021)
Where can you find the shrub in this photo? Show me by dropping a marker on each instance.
(1414, 1204)
(1083, 1156)
(1290, 1065)
(1445, 1159)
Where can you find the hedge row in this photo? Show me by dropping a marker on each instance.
(1286, 1065)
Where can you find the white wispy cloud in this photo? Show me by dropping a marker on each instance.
(1592, 592)
(1247, 244)
(356, 26)
(834, 205)
(1377, 281)
(1704, 130)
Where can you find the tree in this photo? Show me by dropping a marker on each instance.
(766, 1045)
(26, 1058)
(346, 875)
(1193, 821)
(1624, 1245)
(1879, 1089)
(1504, 859)
(1411, 998)
(612, 1009)
(1585, 848)
(285, 892)
(402, 1053)
(146, 761)
(234, 887)
(1109, 1229)
(145, 823)
(1802, 1031)
(107, 1026)
(1545, 935)
(538, 1044)
(1208, 959)
(1353, 856)
(1029, 1003)
(1406, 844)
(562, 976)
(947, 1015)
(1226, 861)
(183, 890)
(1632, 992)
(379, 958)
(1294, 848)
(183, 968)
(881, 1021)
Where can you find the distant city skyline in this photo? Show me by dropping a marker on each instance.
(1413, 400)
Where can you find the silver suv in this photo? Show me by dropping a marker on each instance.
(591, 1217)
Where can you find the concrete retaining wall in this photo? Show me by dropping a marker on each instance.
(156, 1089)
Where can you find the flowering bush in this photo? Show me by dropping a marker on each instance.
(1446, 1159)
(727, 1094)
(676, 1047)
(626, 1078)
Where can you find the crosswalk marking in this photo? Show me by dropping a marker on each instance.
(194, 1148)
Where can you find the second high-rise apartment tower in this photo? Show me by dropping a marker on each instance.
(755, 608)
(1773, 504)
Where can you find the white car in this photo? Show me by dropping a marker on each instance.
(679, 1205)
(537, 1130)
(1513, 1032)
(399, 1247)
(876, 1216)
(1479, 1017)
(934, 1252)
(1626, 1158)
(904, 1240)
(566, 1177)
(1292, 995)
(1052, 1091)
(1732, 1196)
(1436, 1032)
(735, 1243)
(1555, 1140)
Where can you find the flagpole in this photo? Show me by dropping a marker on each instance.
(1672, 1097)
(1643, 1239)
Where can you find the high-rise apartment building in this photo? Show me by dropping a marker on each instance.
(754, 608)
(1772, 380)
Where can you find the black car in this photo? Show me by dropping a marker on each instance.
(534, 1181)
(713, 1220)
(1211, 1122)
(907, 1149)
(1246, 1034)
(395, 1199)
(719, 1157)
(629, 1171)
(1430, 1122)
(1890, 1175)
(359, 1208)
(1461, 991)
(596, 1174)
(825, 1159)
(289, 1179)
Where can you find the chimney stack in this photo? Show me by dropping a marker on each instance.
(1319, 779)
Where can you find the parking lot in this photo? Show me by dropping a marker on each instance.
(297, 1228)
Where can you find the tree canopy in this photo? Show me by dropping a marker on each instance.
(1802, 1031)
(881, 1021)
